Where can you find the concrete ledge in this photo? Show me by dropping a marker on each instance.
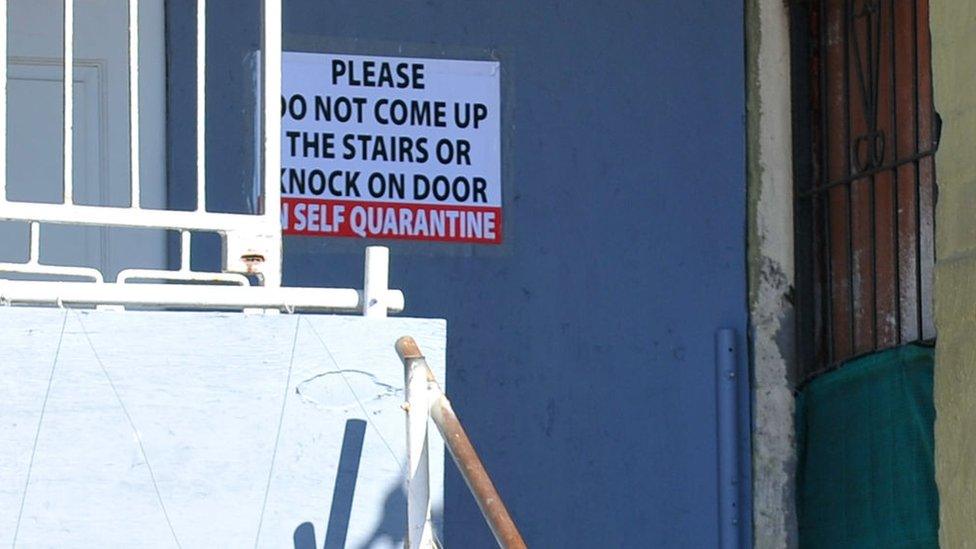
(205, 428)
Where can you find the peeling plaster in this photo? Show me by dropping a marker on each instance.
(771, 269)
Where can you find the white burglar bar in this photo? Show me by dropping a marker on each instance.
(3, 102)
(251, 244)
(134, 103)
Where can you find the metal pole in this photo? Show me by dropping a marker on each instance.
(201, 105)
(416, 379)
(134, 152)
(68, 99)
(728, 438)
(3, 101)
(461, 449)
(271, 134)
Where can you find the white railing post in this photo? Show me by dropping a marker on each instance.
(376, 282)
(201, 105)
(34, 254)
(69, 105)
(420, 533)
(134, 163)
(185, 251)
(272, 106)
(271, 138)
(423, 391)
(3, 101)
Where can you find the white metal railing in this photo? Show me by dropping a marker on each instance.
(251, 243)
(3, 102)
(68, 132)
(425, 402)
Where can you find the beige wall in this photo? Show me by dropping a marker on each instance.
(953, 24)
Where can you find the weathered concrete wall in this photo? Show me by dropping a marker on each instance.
(771, 271)
(953, 41)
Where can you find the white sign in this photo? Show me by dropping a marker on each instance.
(391, 147)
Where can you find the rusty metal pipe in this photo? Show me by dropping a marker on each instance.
(475, 475)
(462, 451)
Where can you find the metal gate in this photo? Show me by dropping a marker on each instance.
(866, 188)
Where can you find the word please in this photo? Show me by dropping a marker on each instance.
(372, 74)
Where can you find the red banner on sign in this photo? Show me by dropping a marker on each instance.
(392, 220)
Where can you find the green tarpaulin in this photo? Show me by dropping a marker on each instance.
(865, 471)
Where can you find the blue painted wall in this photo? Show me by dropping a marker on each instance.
(581, 351)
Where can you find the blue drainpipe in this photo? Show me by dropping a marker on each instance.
(727, 407)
